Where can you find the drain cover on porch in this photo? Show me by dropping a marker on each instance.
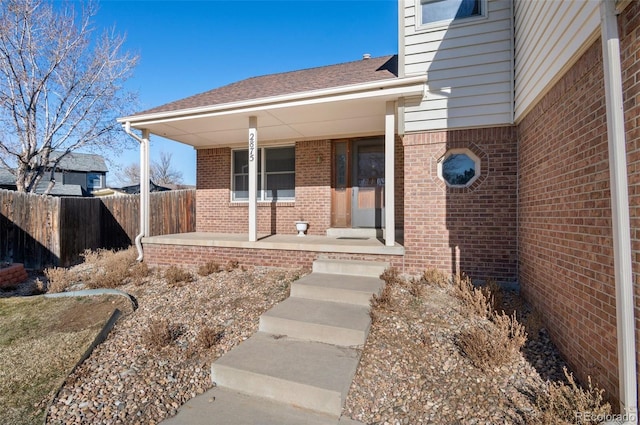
(353, 238)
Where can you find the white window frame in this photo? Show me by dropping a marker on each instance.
(449, 22)
(460, 151)
(262, 175)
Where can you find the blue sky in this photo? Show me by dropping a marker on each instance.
(187, 47)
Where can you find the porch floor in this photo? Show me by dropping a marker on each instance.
(352, 245)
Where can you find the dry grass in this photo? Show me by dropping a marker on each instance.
(175, 276)
(41, 339)
(101, 269)
(209, 268)
(161, 333)
(492, 344)
(568, 403)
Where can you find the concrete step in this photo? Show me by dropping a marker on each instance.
(320, 321)
(223, 406)
(337, 288)
(349, 267)
(309, 375)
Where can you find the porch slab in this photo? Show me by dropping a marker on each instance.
(313, 243)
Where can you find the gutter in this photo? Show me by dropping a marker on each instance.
(144, 186)
(625, 319)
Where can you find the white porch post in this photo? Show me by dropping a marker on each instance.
(253, 178)
(389, 175)
(144, 182)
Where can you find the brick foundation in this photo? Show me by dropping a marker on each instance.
(12, 275)
(165, 255)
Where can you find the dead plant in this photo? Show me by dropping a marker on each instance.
(474, 300)
(384, 299)
(59, 279)
(231, 265)
(489, 345)
(209, 336)
(161, 333)
(493, 292)
(568, 403)
(209, 268)
(175, 276)
(138, 272)
(435, 277)
(533, 323)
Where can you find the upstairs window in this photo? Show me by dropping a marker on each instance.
(276, 174)
(433, 11)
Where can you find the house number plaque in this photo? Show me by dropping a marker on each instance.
(252, 146)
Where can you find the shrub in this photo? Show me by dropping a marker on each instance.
(138, 272)
(488, 345)
(59, 279)
(560, 402)
(493, 292)
(473, 299)
(111, 268)
(384, 300)
(208, 337)
(208, 268)
(161, 333)
(435, 277)
(231, 265)
(533, 323)
(175, 275)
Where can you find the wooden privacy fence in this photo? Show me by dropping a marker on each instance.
(40, 231)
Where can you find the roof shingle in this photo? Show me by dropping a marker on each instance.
(325, 77)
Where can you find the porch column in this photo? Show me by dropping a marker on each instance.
(253, 178)
(389, 175)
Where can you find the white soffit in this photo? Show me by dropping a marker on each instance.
(299, 118)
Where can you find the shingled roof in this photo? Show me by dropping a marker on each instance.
(344, 74)
(82, 162)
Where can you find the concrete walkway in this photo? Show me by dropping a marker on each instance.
(297, 369)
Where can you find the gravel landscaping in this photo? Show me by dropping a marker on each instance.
(413, 369)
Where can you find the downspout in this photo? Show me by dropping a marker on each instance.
(620, 213)
(144, 188)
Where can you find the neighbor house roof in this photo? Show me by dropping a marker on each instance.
(83, 162)
(324, 77)
(7, 178)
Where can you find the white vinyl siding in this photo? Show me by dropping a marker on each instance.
(550, 37)
(469, 67)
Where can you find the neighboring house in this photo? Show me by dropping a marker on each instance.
(77, 174)
(483, 145)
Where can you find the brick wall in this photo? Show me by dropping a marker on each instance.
(565, 241)
(216, 212)
(469, 229)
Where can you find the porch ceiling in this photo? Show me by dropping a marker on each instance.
(314, 116)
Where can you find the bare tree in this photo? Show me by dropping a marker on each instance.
(162, 172)
(61, 86)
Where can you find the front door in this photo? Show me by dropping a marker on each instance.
(357, 198)
(367, 195)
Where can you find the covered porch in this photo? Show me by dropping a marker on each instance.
(325, 149)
